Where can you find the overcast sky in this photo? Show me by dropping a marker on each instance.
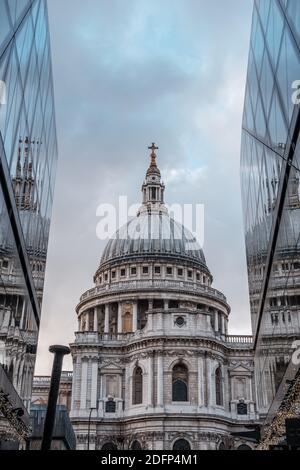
(127, 73)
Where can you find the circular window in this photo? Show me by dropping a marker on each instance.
(180, 321)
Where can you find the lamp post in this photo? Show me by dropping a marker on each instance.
(59, 353)
(89, 427)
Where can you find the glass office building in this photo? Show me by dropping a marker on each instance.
(28, 156)
(270, 175)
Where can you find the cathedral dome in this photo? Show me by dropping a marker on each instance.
(153, 234)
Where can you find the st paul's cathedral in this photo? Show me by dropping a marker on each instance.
(154, 365)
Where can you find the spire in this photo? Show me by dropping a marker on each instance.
(153, 169)
(24, 182)
(153, 189)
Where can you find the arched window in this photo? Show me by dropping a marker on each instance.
(242, 408)
(219, 322)
(109, 446)
(180, 383)
(136, 446)
(137, 388)
(222, 446)
(181, 444)
(11, 372)
(110, 406)
(219, 388)
(244, 447)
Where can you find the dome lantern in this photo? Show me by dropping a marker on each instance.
(153, 189)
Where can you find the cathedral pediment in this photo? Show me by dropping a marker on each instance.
(240, 369)
(111, 367)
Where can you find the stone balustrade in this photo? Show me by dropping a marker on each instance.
(239, 339)
(153, 284)
(94, 338)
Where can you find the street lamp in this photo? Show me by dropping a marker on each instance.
(89, 427)
(59, 353)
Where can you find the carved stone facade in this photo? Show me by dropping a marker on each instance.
(154, 366)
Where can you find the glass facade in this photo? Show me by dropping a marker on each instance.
(270, 192)
(28, 157)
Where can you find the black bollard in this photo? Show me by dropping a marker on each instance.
(59, 353)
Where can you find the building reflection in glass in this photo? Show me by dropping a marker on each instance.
(28, 157)
(270, 191)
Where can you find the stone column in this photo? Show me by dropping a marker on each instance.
(100, 385)
(95, 319)
(134, 316)
(128, 389)
(150, 380)
(226, 387)
(208, 380)
(23, 316)
(201, 381)
(74, 383)
(250, 389)
(263, 388)
(150, 322)
(216, 321)
(166, 304)
(94, 385)
(223, 325)
(120, 326)
(226, 326)
(159, 321)
(160, 380)
(84, 372)
(106, 319)
(87, 321)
